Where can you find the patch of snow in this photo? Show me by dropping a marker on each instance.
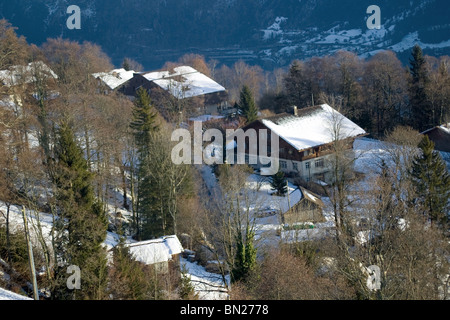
(8, 295)
(208, 286)
(205, 118)
(275, 29)
(287, 50)
(25, 74)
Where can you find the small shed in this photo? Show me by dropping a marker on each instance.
(307, 209)
(440, 135)
(162, 253)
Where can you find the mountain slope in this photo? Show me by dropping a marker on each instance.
(268, 32)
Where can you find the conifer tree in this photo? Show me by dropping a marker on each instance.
(421, 112)
(296, 86)
(143, 125)
(143, 122)
(129, 279)
(245, 260)
(279, 183)
(82, 223)
(432, 182)
(247, 105)
(126, 64)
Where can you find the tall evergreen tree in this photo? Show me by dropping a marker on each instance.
(247, 105)
(143, 122)
(432, 182)
(297, 88)
(245, 260)
(82, 223)
(126, 64)
(143, 125)
(421, 112)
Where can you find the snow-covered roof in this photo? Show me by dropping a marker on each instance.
(205, 118)
(184, 82)
(25, 74)
(157, 250)
(444, 128)
(115, 78)
(265, 199)
(313, 126)
(312, 197)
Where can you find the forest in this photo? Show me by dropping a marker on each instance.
(97, 163)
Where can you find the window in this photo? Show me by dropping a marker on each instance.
(307, 165)
(295, 165)
(319, 163)
(283, 164)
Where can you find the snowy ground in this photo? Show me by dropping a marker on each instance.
(45, 221)
(8, 295)
(269, 233)
(208, 286)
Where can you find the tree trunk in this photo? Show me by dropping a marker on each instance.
(30, 256)
(124, 187)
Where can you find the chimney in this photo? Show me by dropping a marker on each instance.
(295, 110)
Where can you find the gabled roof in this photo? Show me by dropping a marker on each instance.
(184, 82)
(25, 74)
(440, 135)
(157, 250)
(115, 78)
(312, 126)
(312, 197)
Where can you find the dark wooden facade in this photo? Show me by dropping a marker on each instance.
(441, 138)
(289, 152)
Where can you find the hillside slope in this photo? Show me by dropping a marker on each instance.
(267, 32)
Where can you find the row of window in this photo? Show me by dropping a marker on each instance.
(319, 163)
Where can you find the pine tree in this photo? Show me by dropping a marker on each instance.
(129, 279)
(432, 182)
(186, 289)
(247, 105)
(279, 183)
(420, 107)
(82, 223)
(126, 64)
(296, 86)
(144, 121)
(245, 260)
(144, 125)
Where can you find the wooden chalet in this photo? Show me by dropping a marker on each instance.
(182, 83)
(306, 139)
